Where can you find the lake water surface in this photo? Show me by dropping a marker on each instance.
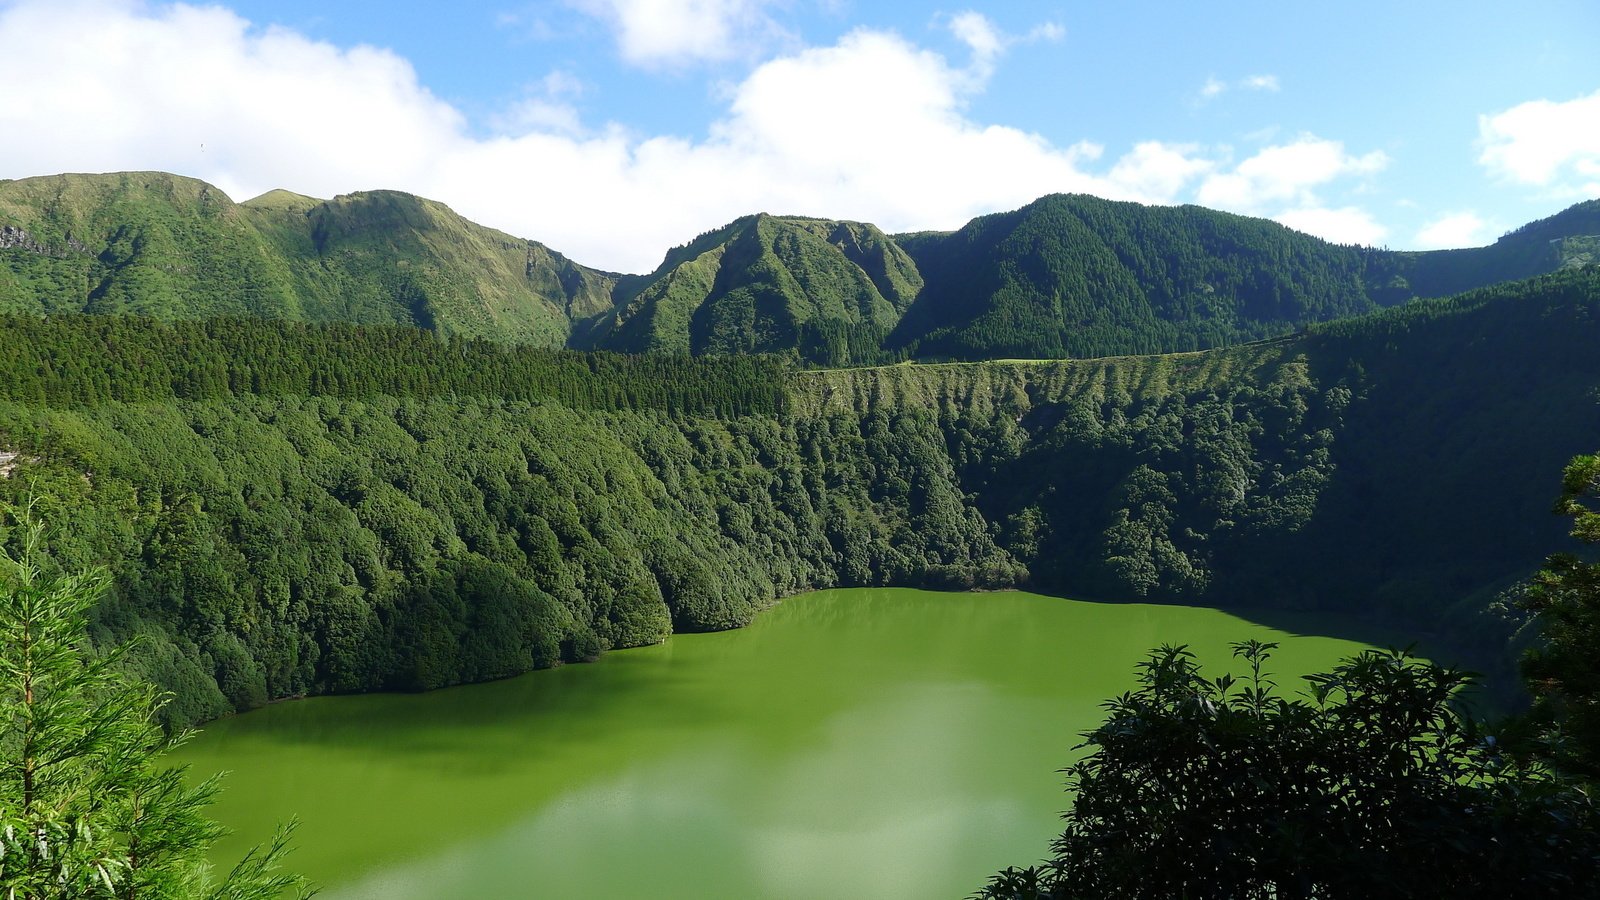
(851, 743)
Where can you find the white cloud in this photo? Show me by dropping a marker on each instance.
(1216, 87)
(1544, 143)
(546, 105)
(988, 42)
(1154, 172)
(1346, 225)
(1285, 183)
(562, 84)
(676, 32)
(1286, 174)
(871, 128)
(1462, 229)
(976, 31)
(117, 85)
(816, 141)
(1046, 31)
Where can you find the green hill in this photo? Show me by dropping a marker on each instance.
(175, 248)
(829, 290)
(1064, 277)
(1077, 276)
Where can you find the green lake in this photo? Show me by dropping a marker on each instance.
(851, 743)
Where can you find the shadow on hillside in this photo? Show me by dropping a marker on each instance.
(1500, 691)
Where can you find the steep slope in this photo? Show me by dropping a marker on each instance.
(1398, 464)
(829, 291)
(176, 248)
(142, 243)
(291, 509)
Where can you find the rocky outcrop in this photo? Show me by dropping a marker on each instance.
(16, 237)
(12, 236)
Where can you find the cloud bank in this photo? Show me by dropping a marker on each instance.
(871, 127)
(1546, 144)
(1452, 230)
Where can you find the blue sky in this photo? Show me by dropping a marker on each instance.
(613, 129)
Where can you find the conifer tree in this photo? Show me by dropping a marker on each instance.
(88, 807)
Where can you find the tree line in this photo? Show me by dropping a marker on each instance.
(78, 360)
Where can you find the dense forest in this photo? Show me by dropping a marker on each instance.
(290, 509)
(1065, 276)
(77, 360)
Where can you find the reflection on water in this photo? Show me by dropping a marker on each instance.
(884, 742)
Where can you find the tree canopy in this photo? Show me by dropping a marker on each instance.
(1374, 784)
(1563, 671)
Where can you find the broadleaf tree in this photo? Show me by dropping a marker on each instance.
(1373, 784)
(1563, 670)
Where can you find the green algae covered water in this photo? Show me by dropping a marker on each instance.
(851, 743)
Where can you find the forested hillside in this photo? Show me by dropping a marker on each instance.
(1568, 239)
(1065, 276)
(1351, 467)
(290, 509)
(1080, 276)
(78, 361)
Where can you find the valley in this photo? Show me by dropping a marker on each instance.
(364, 447)
(293, 508)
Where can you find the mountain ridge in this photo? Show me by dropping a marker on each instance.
(1066, 276)
(178, 248)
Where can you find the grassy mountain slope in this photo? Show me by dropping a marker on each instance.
(142, 243)
(1065, 276)
(1078, 276)
(176, 248)
(829, 290)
